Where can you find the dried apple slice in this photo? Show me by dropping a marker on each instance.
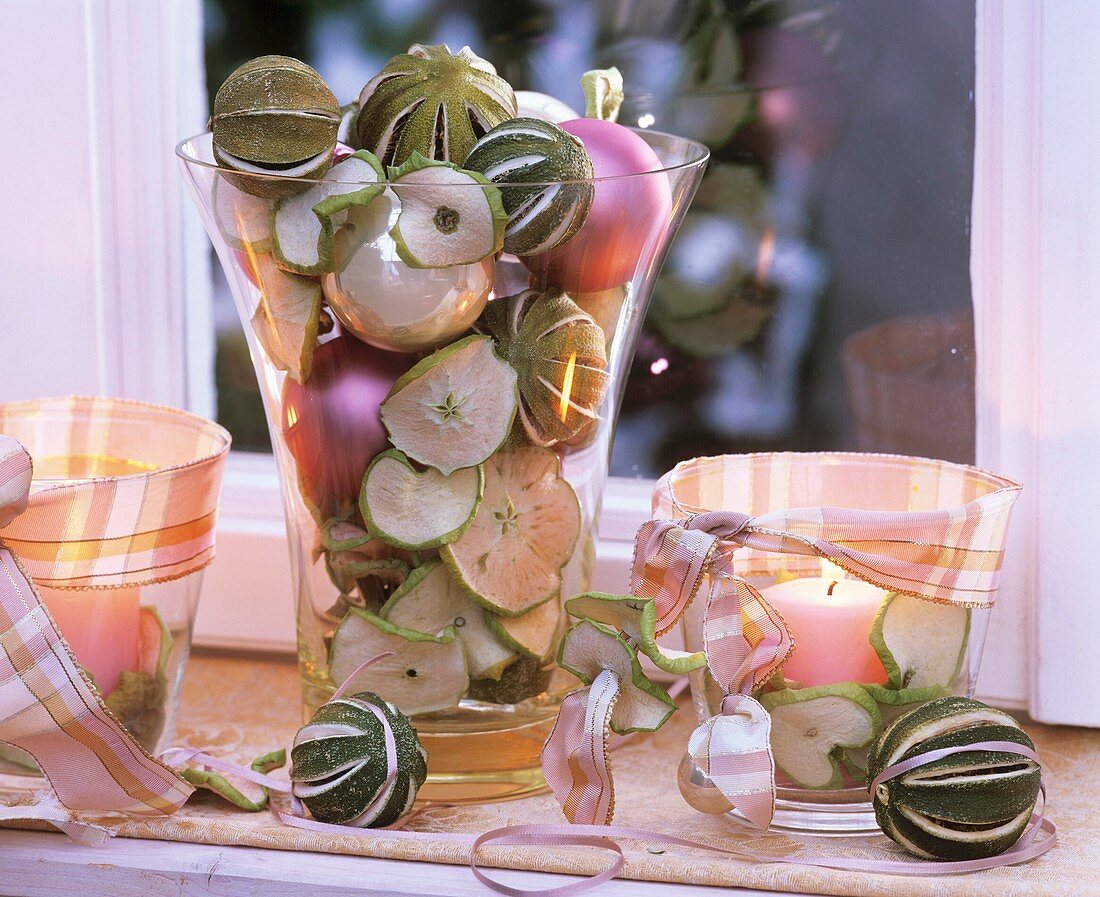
(237, 790)
(302, 226)
(811, 727)
(430, 601)
(243, 219)
(589, 647)
(530, 634)
(418, 509)
(637, 618)
(286, 319)
(920, 643)
(449, 216)
(454, 408)
(510, 559)
(425, 672)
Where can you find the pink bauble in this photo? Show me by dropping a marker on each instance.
(331, 423)
(628, 217)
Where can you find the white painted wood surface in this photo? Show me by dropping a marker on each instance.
(37, 864)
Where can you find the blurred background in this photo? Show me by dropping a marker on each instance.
(818, 295)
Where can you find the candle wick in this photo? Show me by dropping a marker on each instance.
(832, 586)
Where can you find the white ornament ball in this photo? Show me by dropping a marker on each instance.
(533, 104)
(386, 303)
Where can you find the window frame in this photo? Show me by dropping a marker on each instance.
(1032, 256)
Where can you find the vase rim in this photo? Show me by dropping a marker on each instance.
(696, 156)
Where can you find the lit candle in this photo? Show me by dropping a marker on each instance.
(830, 618)
(102, 626)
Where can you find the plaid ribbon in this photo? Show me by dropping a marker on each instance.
(914, 539)
(96, 533)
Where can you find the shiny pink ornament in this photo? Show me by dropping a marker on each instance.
(628, 217)
(331, 423)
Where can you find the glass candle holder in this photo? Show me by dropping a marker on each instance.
(136, 487)
(863, 655)
(474, 643)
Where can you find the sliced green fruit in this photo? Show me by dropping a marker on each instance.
(454, 408)
(510, 559)
(637, 618)
(286, 319)
(243, 219)
(431, 601)
(425, 673)
(343, 535)
(238, 791)
(891, 705)
(346, 567)
(589, 647)
(448, 216)
(812, 726)
(522, 679)
(139, 703)
(155, 642)
(418, 509)
(530, 634)
(968, 805)
(919, 642)
(301, 225)
(340, 765)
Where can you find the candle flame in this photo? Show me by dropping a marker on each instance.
(567, 387)
(765, 256)
(830, 572)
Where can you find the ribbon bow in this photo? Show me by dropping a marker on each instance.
(92, 534)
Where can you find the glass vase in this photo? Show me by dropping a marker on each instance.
(874, 652)
(472, 651)
(123, 586)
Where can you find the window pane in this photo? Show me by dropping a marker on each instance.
(818, 296)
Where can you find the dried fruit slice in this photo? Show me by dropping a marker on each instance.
(286, 319)
(967, 805)
(891, 705)
(812, 726)
(589, 647)
(425, 673)
(418, 509)
(430, 601)
(237, 790)
(531, 634)
(301, 225)
(560, 355)
(637, 618)
(448, 216)
(511, 557)
(524, 678)
(920, 643)
(343, 535)
(243, 219)
(454, 408)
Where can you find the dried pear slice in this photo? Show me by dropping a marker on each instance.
(589, 647)
(919, 642)
(530, 634)
(425, 673)
(237, 790)
(430, 601)
(454, 408)
(286, 319)
(448, 216)
(891, 705)
(301, 225)
(637, 618)
(243, 219)
(811, 727)
(418, 509)
(510, 559)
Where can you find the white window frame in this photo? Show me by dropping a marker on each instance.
(1035, 285)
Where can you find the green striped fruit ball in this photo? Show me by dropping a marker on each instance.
(966, 806)
(537, 156)
(339, 763)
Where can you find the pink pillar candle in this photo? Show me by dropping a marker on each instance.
(830, 631)
(102, 626)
